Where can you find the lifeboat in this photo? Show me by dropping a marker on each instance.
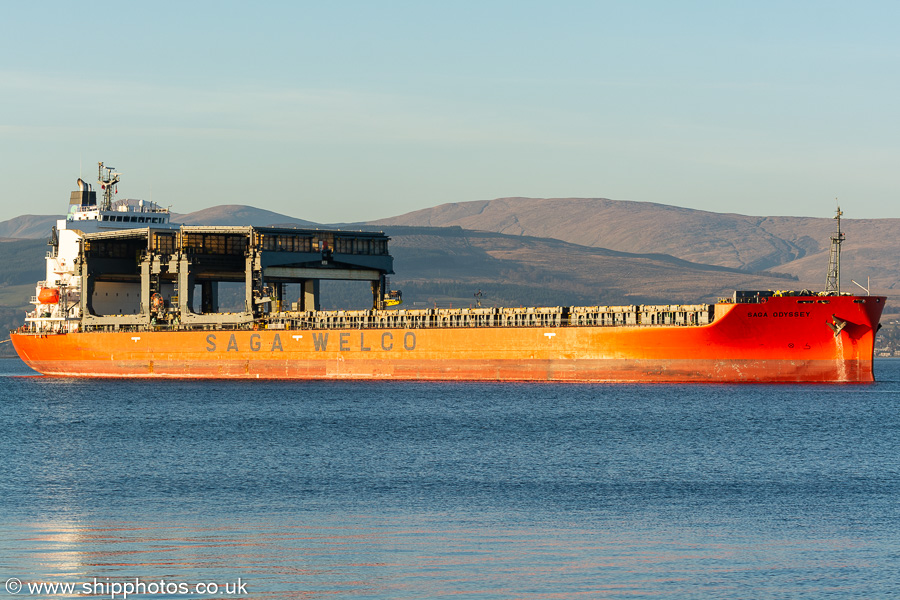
(48, 296)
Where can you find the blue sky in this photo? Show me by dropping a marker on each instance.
(345, 111)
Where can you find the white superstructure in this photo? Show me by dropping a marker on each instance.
(57, 299)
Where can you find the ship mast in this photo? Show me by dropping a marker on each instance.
(107, 184)
(833, 281)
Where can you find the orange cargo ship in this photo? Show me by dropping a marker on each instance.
(783, 339)
(76, 331)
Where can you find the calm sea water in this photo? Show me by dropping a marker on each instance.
(433, 490)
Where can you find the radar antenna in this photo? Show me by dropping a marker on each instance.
(833, 281)
(107, 184)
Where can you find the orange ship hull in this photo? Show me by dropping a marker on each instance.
(784, 339)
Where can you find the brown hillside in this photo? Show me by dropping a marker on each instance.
(562, 273)
(237, 215)
(795, 245)
(28, 226)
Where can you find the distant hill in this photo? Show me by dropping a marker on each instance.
(38, 226)
(794, 245)
(585, 250)
(21, 267)
(28, 227)
(432, 263)
(21, 261)
(236, 215)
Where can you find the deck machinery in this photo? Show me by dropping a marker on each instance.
(149, 277)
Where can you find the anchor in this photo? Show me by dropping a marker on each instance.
(837, 325)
